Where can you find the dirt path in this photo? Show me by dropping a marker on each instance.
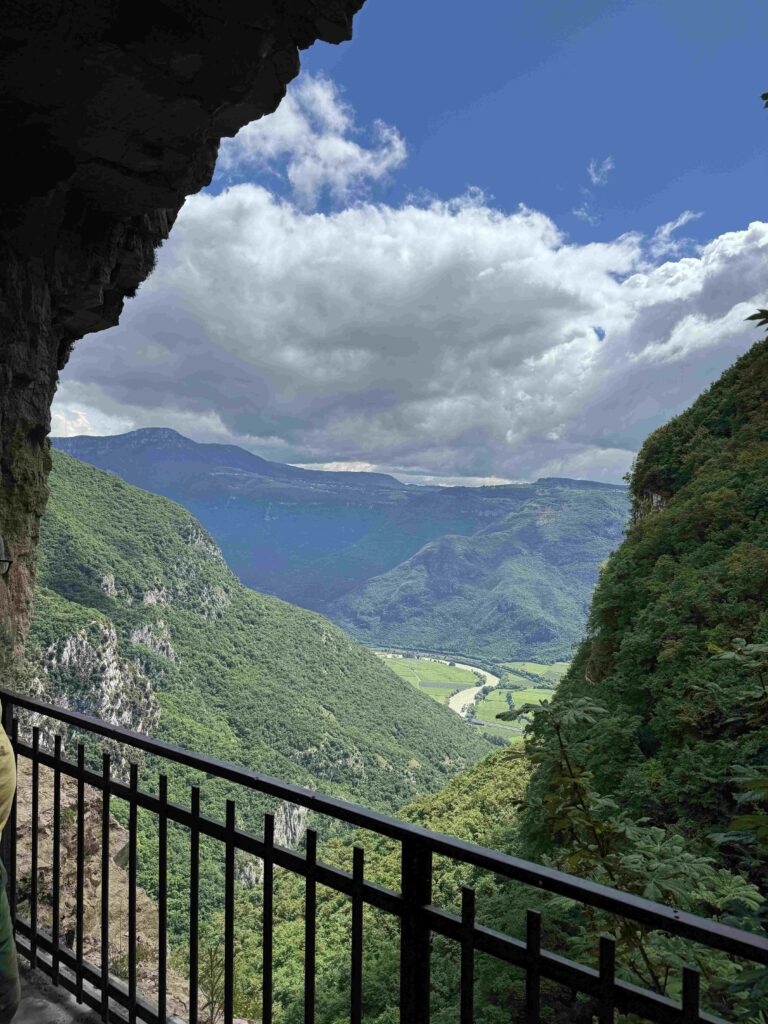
(461, 702)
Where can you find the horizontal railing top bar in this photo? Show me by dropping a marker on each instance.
(654, 915)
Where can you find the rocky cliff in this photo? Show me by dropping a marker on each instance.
(113, 117)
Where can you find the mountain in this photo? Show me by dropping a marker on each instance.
(519, 560)
(522, 584)
(139, 619)
(691, 576)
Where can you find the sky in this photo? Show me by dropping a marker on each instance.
(464, 249)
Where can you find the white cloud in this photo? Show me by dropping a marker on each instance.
(586, 213)
(663, 244)
(438, 341)
(406, 477)
(311, 141)
(598, 171)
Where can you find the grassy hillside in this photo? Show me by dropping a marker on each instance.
(519, 587)
(136, 609)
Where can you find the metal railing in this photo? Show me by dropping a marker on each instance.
(419, 919)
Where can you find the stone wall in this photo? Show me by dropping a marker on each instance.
(110, 120)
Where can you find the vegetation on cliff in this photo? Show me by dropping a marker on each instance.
(651, 761)
(680, 719)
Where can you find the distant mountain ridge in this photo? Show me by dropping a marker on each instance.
(359, 546)
(226, 456)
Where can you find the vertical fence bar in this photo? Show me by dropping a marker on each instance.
(310, 923)
(532, 967)
(415, 938)
(133, 789)
(56, 858)
(691, 995)
(267, 918)
(229, 917)
(80, 869)
(105, 795)
(467, 1008)
(607, 978)
(10, 864)
(162, 901)
(194, 903)
(356, 972)
(35, 818)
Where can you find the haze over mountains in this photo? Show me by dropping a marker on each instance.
(493, 572)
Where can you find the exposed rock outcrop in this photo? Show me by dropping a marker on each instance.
(146, 909)
(156, 637)
(86, 672)
(290, 828)
(113, 117)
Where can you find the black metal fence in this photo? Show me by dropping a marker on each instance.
(116, 998)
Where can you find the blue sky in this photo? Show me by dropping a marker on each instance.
(518, 97)
(475, 244)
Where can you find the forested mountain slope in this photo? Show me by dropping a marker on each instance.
(139, 619)
(519, 586)
(500, 572)
(477, 806)
(691, 576)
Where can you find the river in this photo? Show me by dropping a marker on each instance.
(462, 701)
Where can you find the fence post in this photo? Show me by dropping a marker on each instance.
(415, 936)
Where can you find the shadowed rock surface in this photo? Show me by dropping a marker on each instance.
(113, 118)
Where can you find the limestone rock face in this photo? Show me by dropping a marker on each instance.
(87, 672)
(112, 116)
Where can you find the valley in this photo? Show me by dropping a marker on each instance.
(651, 737)
(476, 694)
(139, 620)
(634, 740)
(486, 574)
(645, 770)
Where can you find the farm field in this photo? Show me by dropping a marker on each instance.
(547, 673)
(496, 701)
(438, 680)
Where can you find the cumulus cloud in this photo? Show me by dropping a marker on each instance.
(599, 170)
(313, 142)
(436, 341)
